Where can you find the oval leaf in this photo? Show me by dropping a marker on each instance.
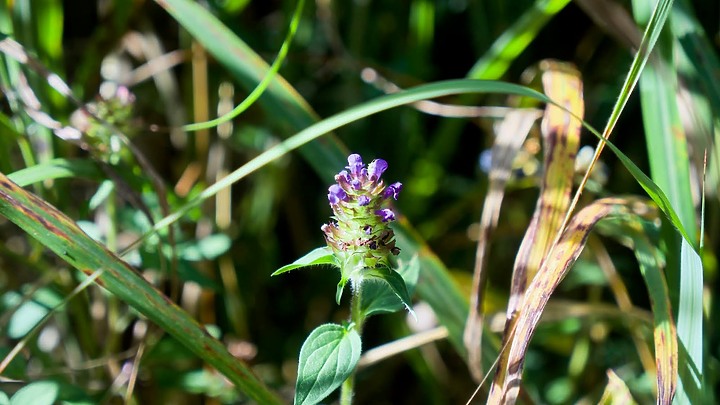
(39, 393)
(393, 280)
(377, 298)
(328, 357)
(318, 256)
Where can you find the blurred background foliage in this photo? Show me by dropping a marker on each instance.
(344, 53)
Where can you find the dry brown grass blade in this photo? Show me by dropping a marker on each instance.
(561, 136)
(549, 276)
(511, 133)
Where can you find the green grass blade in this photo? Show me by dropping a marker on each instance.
(61, 235)
(264, 83)
(631, 233)
(57, 169)
(494, 63)
(280, 99)
(669, 166)
(313, 132)
(508, 46)
(443, 296)
(665, 136)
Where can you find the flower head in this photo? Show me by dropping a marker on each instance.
(361, 233)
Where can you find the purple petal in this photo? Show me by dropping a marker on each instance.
(355, 164)
(376, 168)
(336, 194)
(343, 179)
(386, 214)
(363, 200)
(392, 190)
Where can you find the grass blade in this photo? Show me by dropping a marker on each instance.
(61, 235)
(553, 270)
(508, 46)
(561, 140)
(669, 166)
(632, 234)
(56, 169)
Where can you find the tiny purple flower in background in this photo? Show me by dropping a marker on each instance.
(359, 202)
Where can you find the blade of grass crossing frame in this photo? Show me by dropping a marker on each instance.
(60, 234)
(650, 36)
(669, 166)
(561, 140)
(439, 293)
(325, 156)
(551, 273)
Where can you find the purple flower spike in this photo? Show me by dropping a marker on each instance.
(363, 200)
(392, 190)
(355, 164)
(386, 215)
(336, 194)
(360, 233)
(376, 168)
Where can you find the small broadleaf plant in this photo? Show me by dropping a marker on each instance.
(361, 244)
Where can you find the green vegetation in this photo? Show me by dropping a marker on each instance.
(161, 160)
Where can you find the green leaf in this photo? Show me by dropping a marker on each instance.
(207, 248)
(103, 192)
(392, 279)
(318, 256)
(29, 313)
(377, 298)
(328, 357)
(340, 288)
(37, 393)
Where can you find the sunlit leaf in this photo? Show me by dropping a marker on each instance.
(319, 256)
(378, 298)
(394, 281)
(37, 393)
(328, 357)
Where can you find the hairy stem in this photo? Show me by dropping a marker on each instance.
(357, 318)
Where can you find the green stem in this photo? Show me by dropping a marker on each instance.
(357, 318)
